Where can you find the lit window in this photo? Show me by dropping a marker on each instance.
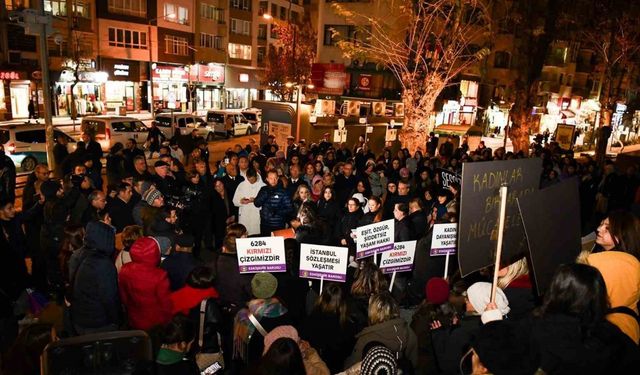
(177, 14)
(239, 51)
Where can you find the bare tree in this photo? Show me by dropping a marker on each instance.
(290, 58)
(426, 44)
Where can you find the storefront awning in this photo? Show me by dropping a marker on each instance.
(458, 130)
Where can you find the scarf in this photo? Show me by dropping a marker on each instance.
(243, 328)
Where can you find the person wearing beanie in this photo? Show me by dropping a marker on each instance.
(95, 306)
(478, 298)
(313, 364)
(434, 308)
(267, 310)
(450, 345)
(144, 286)
(153, 197)
(379, 360)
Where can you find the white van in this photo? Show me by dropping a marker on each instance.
(228, 122)
(186, 122)
(26, 144)
(109, 130)
(254, 116)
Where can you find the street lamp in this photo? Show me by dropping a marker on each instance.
(171, 16)
(298, 88)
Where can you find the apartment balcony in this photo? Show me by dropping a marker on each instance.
(555, 61)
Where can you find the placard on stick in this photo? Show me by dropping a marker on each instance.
(323, 262)
(444, 239)
(400, 259)
(551, 220)
(261, 254)
(374, 238)
(447, 177)
(479, 209)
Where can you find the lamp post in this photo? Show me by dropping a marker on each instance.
(168, 16)
(298, 88)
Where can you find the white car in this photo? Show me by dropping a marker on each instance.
(26, 144)
(228, 123)
(254, 116)
(185, 122)
(108, 130)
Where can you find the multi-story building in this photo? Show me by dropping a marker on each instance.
(72, 52)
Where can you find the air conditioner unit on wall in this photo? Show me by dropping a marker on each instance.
(379, 108)
(353, 108)
(398, 109)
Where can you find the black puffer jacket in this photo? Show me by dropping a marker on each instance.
(96, 304)
(276, 206)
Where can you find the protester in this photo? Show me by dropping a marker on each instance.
(313, 364)
(177, 338)
(274, 203)
(386, 327)
(144, 287)
(247, 191)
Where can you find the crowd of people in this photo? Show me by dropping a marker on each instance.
(152, 247)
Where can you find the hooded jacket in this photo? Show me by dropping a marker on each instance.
(95, 302)
(144, 286)
(395, 334)
(621, 274)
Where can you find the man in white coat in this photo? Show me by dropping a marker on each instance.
(249, 214)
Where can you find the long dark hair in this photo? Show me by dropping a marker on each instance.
(332, 301)
(283, 358)
(577, 290)
(625, 231)
(73, 240)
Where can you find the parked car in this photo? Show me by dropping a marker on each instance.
(186, 122)
(254, 116)
(108, 130)
(26, 144)
(228, 122)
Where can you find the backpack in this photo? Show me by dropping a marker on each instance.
(209, 360)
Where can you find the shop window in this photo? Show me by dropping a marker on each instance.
(502, 60)
(127, 38)
(176, 14)
(57, 8)
(239, 51)
(129, 7)
(175, 45)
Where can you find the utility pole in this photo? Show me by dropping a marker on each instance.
(46, 92)
(38, 23)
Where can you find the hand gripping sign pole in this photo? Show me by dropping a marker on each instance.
(503, 209)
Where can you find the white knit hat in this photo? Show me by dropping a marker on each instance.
(479, 295)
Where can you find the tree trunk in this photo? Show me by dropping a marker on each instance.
(413, 134)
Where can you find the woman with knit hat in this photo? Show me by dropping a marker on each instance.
(435, 307)
(262, 314)
(313, 364)
(144, 286)
(450, 345)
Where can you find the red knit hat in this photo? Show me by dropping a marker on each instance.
(437, 291)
